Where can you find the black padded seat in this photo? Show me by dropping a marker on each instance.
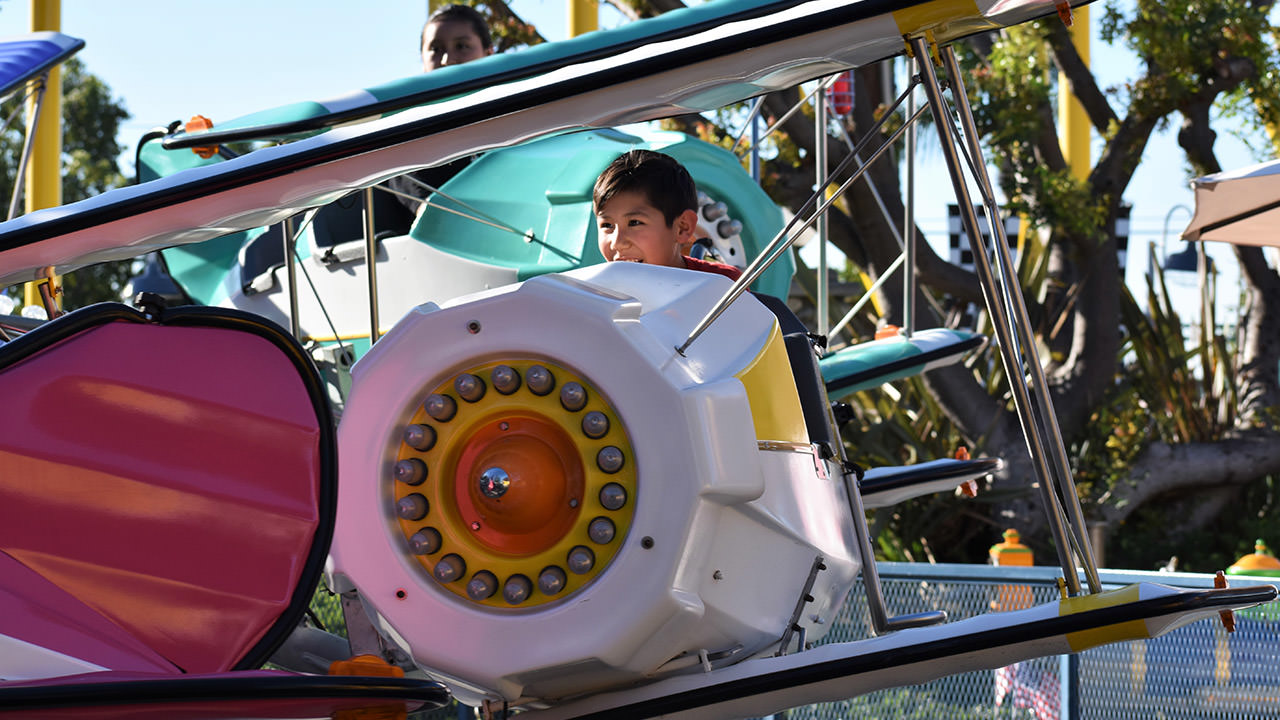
(813, 394)
(259, 260)
(787, 320)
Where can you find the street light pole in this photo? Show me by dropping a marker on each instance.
(1164, 237)
(1182, 261)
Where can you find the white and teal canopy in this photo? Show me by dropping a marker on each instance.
(693, 60)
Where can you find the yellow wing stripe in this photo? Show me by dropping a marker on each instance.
(1119, 632)
(946, 18)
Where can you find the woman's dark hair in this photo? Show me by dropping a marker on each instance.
(460, 13)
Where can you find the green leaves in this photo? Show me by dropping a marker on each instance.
(1170, 392)
(1198, 51)
(1183, 386)
(90, 125)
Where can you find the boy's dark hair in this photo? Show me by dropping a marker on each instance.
(460, 13)
(662, 180)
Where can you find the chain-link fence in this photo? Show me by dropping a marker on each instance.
(1196, 671)
(326, 611)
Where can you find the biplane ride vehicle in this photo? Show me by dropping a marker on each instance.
(564, 487)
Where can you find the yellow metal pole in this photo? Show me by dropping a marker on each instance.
(1073, 123)
(44, 176)
(584, 17)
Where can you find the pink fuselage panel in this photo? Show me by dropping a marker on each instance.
(167, 478)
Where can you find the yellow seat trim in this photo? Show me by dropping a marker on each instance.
(771, 391)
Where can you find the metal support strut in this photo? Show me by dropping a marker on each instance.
(371, 263)
(28, 145)
(1013, 333)
(1048, 421)
(782, 241)
(291, 275)
(876, 606)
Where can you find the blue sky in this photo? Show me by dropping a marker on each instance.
(228, 58)
(167, 61)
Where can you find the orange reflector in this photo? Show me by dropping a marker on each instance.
(1228, 617)
(365, 666)
(200, 123)
(968, 487)
(888, 331)
(1064, 13)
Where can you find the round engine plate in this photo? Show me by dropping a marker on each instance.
(514, 483)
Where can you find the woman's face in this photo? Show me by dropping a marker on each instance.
(451, 42)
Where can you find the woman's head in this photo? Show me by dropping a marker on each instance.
(455, 34)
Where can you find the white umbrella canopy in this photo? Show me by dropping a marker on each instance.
(1241, 207)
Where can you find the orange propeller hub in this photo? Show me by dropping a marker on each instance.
(518, 484)
(514, 483)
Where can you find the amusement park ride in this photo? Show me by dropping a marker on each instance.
(569, 488)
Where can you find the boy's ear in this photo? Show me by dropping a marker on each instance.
(685, 225)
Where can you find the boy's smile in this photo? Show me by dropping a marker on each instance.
(630, 229)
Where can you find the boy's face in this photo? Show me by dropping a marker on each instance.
(452, 42)
(629, 229)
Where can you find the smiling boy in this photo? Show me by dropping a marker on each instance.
(646, 212)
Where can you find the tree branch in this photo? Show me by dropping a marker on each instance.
(628, 11)
(508, 28)
(1048, 145)
(1115, 167)
(1163, 468)
(1080, 80)
(1259, 385)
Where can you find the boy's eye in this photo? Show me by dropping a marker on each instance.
(635, 221)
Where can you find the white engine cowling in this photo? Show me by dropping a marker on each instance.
(541, 498)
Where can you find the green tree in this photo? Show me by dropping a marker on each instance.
(90, 124)
(1191, 458)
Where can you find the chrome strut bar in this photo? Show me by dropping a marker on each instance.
(1013, 333)
(758, 105)
(1048, 421)
(291, 273)
(371, 263)
(908, 248)
(782, 242)
(28, 145)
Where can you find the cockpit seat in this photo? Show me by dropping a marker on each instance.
(341, 223)
(259, 260)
